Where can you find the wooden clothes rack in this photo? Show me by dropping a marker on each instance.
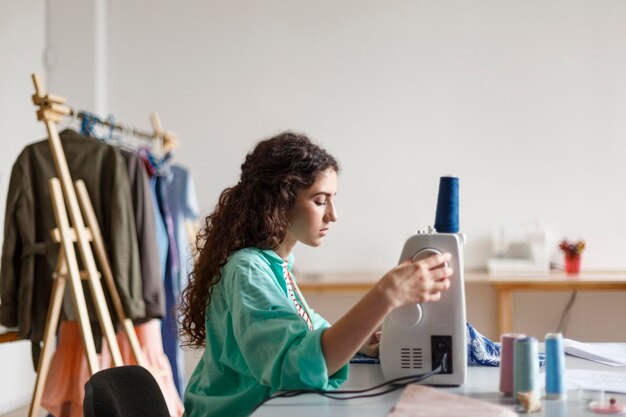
(73, 231)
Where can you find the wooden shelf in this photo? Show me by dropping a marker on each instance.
(9, 336)
(503, 285)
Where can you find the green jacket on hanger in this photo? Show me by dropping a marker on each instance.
(29, 256)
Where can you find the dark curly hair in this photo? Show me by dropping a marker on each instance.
(252, 213)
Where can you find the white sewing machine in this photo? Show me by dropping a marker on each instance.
(414, 338)
(520, 251)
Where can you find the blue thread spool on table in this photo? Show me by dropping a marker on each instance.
(555, 367)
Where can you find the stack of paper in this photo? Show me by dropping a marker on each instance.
(576, 379)
(612, 354)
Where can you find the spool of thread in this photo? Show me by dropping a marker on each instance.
(526, 365)
(555, 367)
(447, 216)
(507, 342)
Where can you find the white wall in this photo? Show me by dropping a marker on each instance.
(77, 47)
(524, 101)
(22, 43)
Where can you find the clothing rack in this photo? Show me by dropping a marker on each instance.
(56, 111)
(52, 109)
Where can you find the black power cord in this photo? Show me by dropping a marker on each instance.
(396, 383)
(566, 315)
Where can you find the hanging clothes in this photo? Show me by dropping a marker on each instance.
(169, 326)
(63, 395)
(177, 203)
(29, 256)
(145, 225)
(181, 201)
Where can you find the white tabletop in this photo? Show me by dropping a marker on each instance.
(482, 384)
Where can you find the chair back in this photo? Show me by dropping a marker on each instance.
(125, 391)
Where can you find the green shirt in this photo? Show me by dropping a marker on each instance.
(256, 342)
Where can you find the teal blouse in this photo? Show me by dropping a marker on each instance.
(256, 342)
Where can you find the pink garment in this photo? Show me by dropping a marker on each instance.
(65, 386)
(421, 401)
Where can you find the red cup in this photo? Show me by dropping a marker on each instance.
(572, 264)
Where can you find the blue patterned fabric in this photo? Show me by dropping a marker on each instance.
(483, 352)
(480, 350)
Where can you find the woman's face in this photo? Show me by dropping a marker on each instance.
(314, 210)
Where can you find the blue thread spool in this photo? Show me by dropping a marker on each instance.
(526, 366)
(555, 367)
(447, 216)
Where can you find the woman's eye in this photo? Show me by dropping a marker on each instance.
(320, 203)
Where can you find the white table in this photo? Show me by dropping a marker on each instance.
(482, 384)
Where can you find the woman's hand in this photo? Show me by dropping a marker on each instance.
(416, 282)
(370, 347)
(408, 283)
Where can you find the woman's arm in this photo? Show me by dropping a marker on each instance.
(408, 283)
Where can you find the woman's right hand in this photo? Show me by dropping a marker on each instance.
(408, 283)
(414, 282)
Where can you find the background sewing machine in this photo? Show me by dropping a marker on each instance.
(520, 250)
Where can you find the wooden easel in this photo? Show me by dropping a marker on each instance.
(51, 110)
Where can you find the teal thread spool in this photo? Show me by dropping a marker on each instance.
(526, 367)
(555, 367)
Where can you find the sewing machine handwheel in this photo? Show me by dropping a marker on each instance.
(426, 253)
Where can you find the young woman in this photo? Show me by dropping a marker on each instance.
(242, 303)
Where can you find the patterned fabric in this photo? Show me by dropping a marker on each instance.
(290, 285)
(483, 352)
(480, 350)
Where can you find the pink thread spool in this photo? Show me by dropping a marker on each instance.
(507, 360)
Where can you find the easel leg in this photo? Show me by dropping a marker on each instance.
(67, 266)
(107, 274)
(52, 323)
(78, 295)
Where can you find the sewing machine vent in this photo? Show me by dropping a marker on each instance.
(411, 358)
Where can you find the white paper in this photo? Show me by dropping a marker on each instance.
(595, 380)
(612, 354)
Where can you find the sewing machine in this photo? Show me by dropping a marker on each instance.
(520, 251)
(415, 337)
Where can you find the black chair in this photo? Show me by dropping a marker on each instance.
(125, 391)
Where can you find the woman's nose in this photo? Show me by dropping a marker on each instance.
(331, 213)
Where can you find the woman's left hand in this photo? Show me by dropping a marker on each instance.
(370, 347)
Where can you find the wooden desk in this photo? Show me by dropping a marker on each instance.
(504, 286)
(555, 281)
